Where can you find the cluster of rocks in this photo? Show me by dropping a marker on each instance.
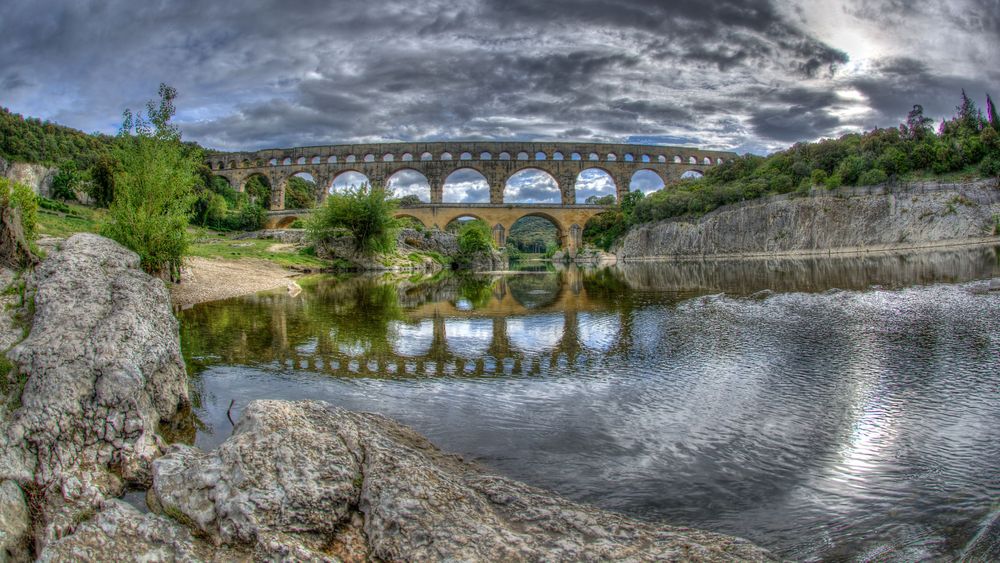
(104, 381)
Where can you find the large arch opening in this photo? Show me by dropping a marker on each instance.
(645, 181)
(301, 191)
(595, 185)
(534, 235)
(531, 185)
(258, 189)
(466, 185)
(346, 180)
(410, 186)
(457, 223)
(692, 174)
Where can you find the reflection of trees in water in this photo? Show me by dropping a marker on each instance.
(534, 291)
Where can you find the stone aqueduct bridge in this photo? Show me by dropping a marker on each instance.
(496, 161)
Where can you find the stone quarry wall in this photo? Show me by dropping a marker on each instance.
(843, 220)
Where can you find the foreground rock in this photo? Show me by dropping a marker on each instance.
(841, 220)
(101, 368)
(323, 481)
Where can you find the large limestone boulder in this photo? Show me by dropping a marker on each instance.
(329, 481)
(101, 368)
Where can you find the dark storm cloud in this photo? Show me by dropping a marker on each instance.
(719, 74)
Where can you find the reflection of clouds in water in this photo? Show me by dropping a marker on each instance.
(469, 338)
(536, 333)
(307, 347)
(598, 331)
(353, 349)
(411, 339)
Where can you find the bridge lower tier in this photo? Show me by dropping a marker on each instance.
(569, 220)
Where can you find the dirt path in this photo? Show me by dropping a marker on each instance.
(204, 279)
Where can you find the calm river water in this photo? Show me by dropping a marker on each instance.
(826, 409)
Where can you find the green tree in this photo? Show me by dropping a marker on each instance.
(366, 212)
(917, 126)
(600, 200)
(20, 197)
(153, 187)
(67, 181)
(300, 193)
(408, 200)
(991, 113)
(474, 236)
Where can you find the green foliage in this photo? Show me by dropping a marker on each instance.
(33, 140)
(532, 234)
(872, 177)
(408, 200)
(600, 200)
(68, 180)
(102, 185)
(990, 166)
(300, 193)
(474, 237)
(19, 196)
(53, 205)
(259, 190)
(366, 211)
(602, 230)
(297, 224)
(152, 188)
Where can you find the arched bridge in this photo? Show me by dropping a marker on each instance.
(496, 161)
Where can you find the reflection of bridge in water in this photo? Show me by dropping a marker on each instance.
(514, 332)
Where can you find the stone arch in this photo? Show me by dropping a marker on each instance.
(369, 157)
(692, 160)
(504, 156)
(350, 159)
(402, 214)
(718, 161)
(531, 185)
(646, 180)
(388, 157)
(575, 156)
(485, 156)
(535, 246)
(445, 156)
(645, 158)
(707, 161)
(286, 161)
(678, 159)
(426, 156)
(467, 185)
(558, 156)
(300, 160)
(465, 156)
(272, 162)
(245, 163)
(266, 180)
(612, 157)
(457, 215)
(522, 155)
(594, 181)
(629, 157)
(593, 156)
(407, 157)
(348, 177)
(332, 159)
(285, 222)
(661, 158)
(541, 156)
(406, 181)
(315, 159)
(231, 165)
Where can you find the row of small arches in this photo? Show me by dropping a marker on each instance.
(409, 157)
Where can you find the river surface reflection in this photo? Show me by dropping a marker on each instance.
(827, 408)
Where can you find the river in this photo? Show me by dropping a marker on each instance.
(830, 409)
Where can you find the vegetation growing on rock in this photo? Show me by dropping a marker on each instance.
(366, 212)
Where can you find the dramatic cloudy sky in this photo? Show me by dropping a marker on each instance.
(747, 76)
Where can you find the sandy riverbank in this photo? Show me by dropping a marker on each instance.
(206, 279)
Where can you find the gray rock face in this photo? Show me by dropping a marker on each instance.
(103, 369)
(362, 485)
(35, 176)
(847, 218)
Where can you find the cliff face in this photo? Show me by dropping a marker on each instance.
(839, 220)
(35, 176)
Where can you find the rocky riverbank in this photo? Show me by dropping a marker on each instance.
(99, 388)
(921, 215)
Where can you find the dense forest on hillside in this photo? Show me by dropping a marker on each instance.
(533, 234)
(964, 146)
(43, 142)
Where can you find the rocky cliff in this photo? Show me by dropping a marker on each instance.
(846, 219)
(35, 176)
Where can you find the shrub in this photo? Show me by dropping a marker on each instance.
(990, 166)
(872, 177)
(19, 196)
(152, 188)
(365, 211)
(474, 236)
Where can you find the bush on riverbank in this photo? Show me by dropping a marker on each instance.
(366, 212)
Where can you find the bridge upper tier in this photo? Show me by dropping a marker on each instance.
(496, 161)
